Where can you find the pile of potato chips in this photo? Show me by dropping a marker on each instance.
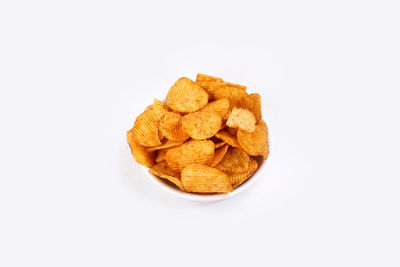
(207, 138)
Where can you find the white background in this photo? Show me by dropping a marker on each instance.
(75, 74)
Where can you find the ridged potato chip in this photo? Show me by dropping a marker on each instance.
(166, 144)
(211, 86)
(150, 107)
(145, 130)
(242, 87)
(162, 170)
(242, 119)
(234, 161)
(219, 154)
(159, 109)
(202, 124)
(220, 144)
(238, 178)
(221, 106)
(256, 106)
(235, 96)
(256, 143)
(194, 151)
(161, 155)
(171, 127)
(228, 138)
(206, 78)
(139, 152)
(186, 96)
(203, 179)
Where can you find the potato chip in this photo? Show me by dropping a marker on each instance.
(234, 161)
(203, 179)
(159, 109)
(238, 178)
(256, 106)
(161, 155)
(232, 131)
(219, 154)
(234, 95)
(221, 106)
(211, 86)
(145, 130)
(227, 138)
(150, 107)
(206, 78)
(242, 87)
(186, 96)
(202, 124)
(194, 151)
(255, 143)
(139, 152)
(171, 127)
(166, 144)
(242, 119)
(162, 170)
(219, 144)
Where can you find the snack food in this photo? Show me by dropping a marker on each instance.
(204, 138)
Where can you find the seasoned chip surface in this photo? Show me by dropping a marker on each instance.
(238, 178)
(219, 154)
(162, 170)
(203, 179)
(256, 143)
(145, 130)
(166, 144)
(256, 106)
(171, 127)
(227, 138)
(234, 161)
(193, 151)
(221, 106)
(242, 119)
(139, 152)
(186, 96)
(202, 124)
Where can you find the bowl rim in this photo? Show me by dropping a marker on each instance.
(206, 198)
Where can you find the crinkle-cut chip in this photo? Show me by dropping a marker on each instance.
(206, 78)
(202, 124)
(242, 87)
(238, 178)
(255, 143)
(141, 155)
(203, 179)
(256, 106)
(227, 138)
(219, 154)
(234, 161)
(242, 119)
(129, 137)
(145, 130)
(186, 96)
(232, 131)
(161, 155)
(220, 144)
(194, 151)
(171, 127)
(221, 106)
(166, 144)
(150, 107)
(159, 109)
(234, 95)
(211, 86)
(162, 170)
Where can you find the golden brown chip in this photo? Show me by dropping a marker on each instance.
(238, 178)
(219, 154)
(171, 127)
(221, 106)
(166, 144)
(159, 109)
(242, 87)
(139, 152)
(203, 179)
(255, 143)
(202, 124)
(162, 170)
(206, 78)
(235, 96)
(161, 155)
(234, 161)
(232, 131)
(256, 108)
(186, 96)
(242, 119)
(211, 86)
(228, 138)
(194, 151)
(220, 144)
(148, 108)
(145, 130)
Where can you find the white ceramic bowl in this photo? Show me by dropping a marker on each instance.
(165, 185)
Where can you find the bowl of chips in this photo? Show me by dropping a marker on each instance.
(206, 141)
